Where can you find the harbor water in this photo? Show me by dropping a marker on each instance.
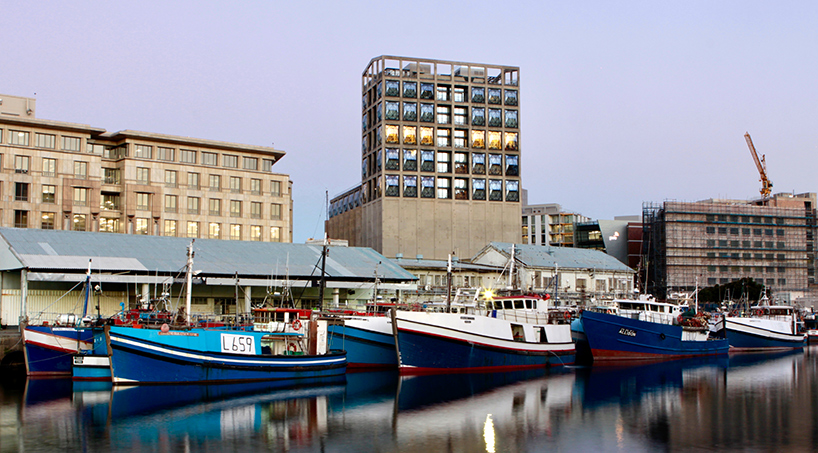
(755, 402)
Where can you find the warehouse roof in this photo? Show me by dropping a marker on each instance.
(69, 251)
(546, 256)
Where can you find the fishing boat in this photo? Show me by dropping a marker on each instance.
(48, 346)
(280, 344)
(368, 339)
(511, 332)
(645, 329)
(766, 328)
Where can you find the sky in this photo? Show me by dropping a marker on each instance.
(621, 102)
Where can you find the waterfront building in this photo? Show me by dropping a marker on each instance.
(41, 270)
(440, 159)
(718, 241)
(620, 238)
(549, 224)
(56, 175)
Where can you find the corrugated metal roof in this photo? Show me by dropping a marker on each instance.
(41, 250)
(547, 256)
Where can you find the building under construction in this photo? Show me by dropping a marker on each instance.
(711, 242)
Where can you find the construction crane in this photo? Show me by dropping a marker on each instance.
(761, 164)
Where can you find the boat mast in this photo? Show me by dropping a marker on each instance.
(87, 290)
(189, 280)
(324, 252)
(511, 268)
(449, 285)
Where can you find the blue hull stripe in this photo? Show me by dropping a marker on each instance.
(745, 340)
(363, 347)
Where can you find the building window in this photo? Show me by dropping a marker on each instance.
(427, 91)
(494, 95)
(444, 137)
(275, 234)
(193, 181)
(230, 161)
(443, 93)
(255, 233)
(109, 201)
(255, 210)
(215, 182)
(49, 167)
(21, 164)
(478, 116)
(392, 88)
(410, 135)
(215, 206)
(171, 203)
(495, 119)
(444, 162)
(392, 186)
(235, 232)
(47, 221)
(410, 186)
(235, 208)
(187, 156)
(46, 141)
(511, 118)
(512, 190)
(81, 170)
(170, 228)
(235, 184)
(143, 175)
(461, 189)
(71, 144)
(391, 111)
(392, 159)
(267, 165)
(496, 164)
(410, 111)
(214, 230)
(255, 186)
(478, 189)
(166, 154)
(275, 211)
(49, 194)
(478, 94)
(391, 133)
(275, 188)
(478, 139)
(21, 191)
(511, 141)
(410, 89)
(494, 140)
(142, 226)
(444, 114)
(80, 196)
(461, 116)
(426, 136)
(410, 160)
(78, 222)
(427, 187)
(511, 97)
(495, 190)
(460, 94)
(19, 138)
(427, 160)
(461, 163)
(143, 151)
(107, 225)
(478, 163)
(427, 113)
(211, 159)
(192, 229)
(20, 219)
(111, 176)
(193, 205)
(512, 168)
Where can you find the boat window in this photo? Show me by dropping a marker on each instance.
(519, 303)
(508, 304)
(529, 303)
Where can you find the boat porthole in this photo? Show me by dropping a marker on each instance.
(661, 336)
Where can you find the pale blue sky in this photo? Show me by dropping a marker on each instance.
(621, 102)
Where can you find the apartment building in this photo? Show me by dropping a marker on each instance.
(549, 224)
(68, 176)
(440, 159)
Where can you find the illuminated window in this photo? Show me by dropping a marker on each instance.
(49, 194)
(391, 133)
(107, 225)
(47, 221)
(410, 111)
(478, 164)
(170, 228)
(511, 141)
(211, 159)
(142, 226)
(235, 232)
(78, 222)
(494, 140)
(410, 135)
(214, 206)
(410, 89)
(427, 187)
(275, 234)
(478, 116)
(426, 136)
(109, 201)
(19, 138)
(192, 229)
(478, 139)
(255, 233)
(214, 230)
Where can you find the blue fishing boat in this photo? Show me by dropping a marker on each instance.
(645, 329)
(367, 337)
(140, 356)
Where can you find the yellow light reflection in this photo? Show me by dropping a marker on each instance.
(488, 434)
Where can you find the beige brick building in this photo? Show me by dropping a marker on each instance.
(440, 159)
(67, 176)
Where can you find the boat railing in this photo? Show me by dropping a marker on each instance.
(527, 316)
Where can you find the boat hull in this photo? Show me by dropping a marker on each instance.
(91, 368)
(142, 356)
(368, 340)
(48, 350)
(617, 338)
(757, 334)
(437, 342)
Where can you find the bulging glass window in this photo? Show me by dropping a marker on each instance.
(410, 89)
(511, 141)
(478, 161)
(427, 187)
(512, 167)
(512, 190)
(478, 139)
(494, 140)
(511, 97)
(427, 160)
(392, 186)
(495, 164)
(427, 113)
(478, 94)
(410, 111)
(478, 116)
(511, 118)
(494, 95)
(410, 186)
(426, 136)
(410, 160)
(410, 135)
(478, 189)
(392, 111)
(391, 133)
(427, 91)
(495, 118)
(495, 190)
(392, 88)
(392, 159)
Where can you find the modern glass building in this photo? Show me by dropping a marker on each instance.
(440, 159)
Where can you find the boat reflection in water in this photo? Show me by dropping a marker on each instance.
(741, 402)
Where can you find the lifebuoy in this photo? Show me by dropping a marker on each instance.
(291, 347)
(296, 324)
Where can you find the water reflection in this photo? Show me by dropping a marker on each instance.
(744, 402)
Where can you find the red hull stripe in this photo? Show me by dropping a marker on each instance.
(52, 347)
